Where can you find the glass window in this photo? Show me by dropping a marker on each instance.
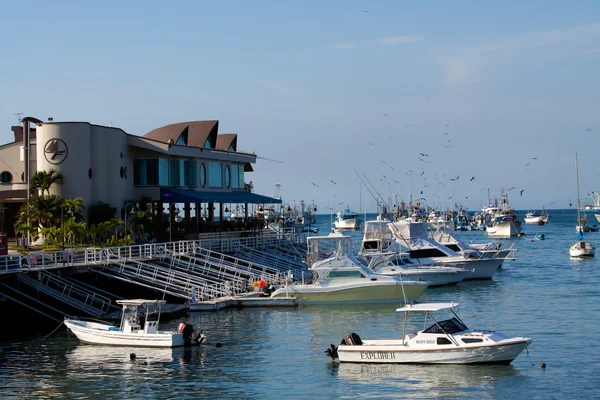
(162, 172)
(202, 175)
(189, 172)
(344, 275)
(241, 184)
(5, 177)
(145, 172)
(215, 174)
(183, 138)
(235, 176)
(207, 144)
(231, 148)
(175, 172)
(227, 176)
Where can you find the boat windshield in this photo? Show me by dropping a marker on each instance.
(450, 326)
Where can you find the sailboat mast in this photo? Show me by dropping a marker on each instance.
(577, 176)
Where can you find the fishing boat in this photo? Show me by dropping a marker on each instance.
(580, 249)
(505, 222)
(447, 341)
(537, 217)
(347, 220)
(131, 332)
(340, 278)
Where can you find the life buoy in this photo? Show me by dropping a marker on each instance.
(181, 327)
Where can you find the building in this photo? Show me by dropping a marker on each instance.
(186, 162)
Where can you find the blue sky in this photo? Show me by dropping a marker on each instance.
(333, 88)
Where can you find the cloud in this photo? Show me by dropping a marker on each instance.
(406, 39)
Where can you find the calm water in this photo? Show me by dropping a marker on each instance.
(269, 353)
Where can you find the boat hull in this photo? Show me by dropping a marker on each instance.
(504, 229)
(353, 294)
(501, 353)
(117, 338)
(481, 269)
(347, 224)
(533, 220)
(578, 251)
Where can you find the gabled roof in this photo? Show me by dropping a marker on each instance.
(225, 140)
(197, 133)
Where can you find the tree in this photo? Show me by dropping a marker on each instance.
(43, 181)
(74, 207)
(101, 212)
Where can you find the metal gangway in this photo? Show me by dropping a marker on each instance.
(166, 279)
(69, 293)
(274, 260)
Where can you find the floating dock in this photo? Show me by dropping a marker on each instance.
(242, 302)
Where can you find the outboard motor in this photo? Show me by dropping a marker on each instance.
(349, 340)
(190, 336)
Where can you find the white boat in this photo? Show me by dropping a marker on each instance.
(580, 249)
(583, 225)
(130, 331)
(488, 250)
(376, 237)
(435, 275)
(446, 341)
(339, 277)
(505, 222)
(537, 217)
(347, 220)
(411, 238)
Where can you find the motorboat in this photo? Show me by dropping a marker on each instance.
(505, 222)
(537, 217)
(447, 341)
(583, 224)
(580, 249)
(487, 249)
(338, 277)
(412, 239)
(435, 275)
(131, 331)
(376, 237)
(347, 220)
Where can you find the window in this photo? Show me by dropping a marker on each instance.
(215, 174)
(145, 172)
(472, 340)
(344, 275)
(174, 173)
(5, 177)
(241, 183)
(447, 326)
(443, 340)
(227, 176)
(207, 144)
(202, 175)
(183, 138)
(235, 176)
(189, 172)
(231, 148)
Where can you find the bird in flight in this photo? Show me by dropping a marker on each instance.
(384, 114)
(570, 204)
(522, 191)
(372, 144)
(314, 184)
(589, 129)
(424, 155)
(447, 125)
(407, 126)
(511, 188)
(445, 133)
(365, 11)
(472, 179)
(332, 181)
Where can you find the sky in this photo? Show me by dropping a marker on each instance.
(493, 94)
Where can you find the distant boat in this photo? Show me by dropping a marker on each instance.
(505, 222)
(580, 249)
(347, 220)
(537, 217)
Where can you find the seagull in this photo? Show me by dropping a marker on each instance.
(445, 133)
(424, 155)
(407, 126)
(365, 11)
(332, 181)
(372, 144)
(472, 179)
(511, 189)
(422, 173)
(314, 184)
(466, 197)
(589, 129)
(570, 204)
(385, 177)
(447, 125)
(522, 191)
(385, 114)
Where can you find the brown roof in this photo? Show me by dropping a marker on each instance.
(198, 132)
(224, 140)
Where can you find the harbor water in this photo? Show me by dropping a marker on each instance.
(279, 353)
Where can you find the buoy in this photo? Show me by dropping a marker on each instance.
(219, 345)
(132, 356)
(543, 365)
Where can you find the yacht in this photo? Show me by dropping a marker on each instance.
(340, 278)
(537, 217)
(580, 249)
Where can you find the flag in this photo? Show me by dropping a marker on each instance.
(580, 234)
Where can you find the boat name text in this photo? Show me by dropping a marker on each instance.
(425, 341)
(379, 355)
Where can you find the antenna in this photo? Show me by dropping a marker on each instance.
(18, 115)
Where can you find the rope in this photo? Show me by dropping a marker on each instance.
(528, 356)
(59, 325)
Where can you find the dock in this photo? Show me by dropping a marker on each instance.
(243, 302)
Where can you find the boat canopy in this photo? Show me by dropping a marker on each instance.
(431, 307)
(140, 302)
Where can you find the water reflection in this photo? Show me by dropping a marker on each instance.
(435, 380)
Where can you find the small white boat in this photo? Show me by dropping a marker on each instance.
(537, 217)
(580, 249)
(446, 341)
(505, 222)
(130, 332)
(340, 278)
(347, 220)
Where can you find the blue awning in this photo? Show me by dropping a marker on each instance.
(172, 195)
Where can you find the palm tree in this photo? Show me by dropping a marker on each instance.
(74, 207)
(43, 180)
